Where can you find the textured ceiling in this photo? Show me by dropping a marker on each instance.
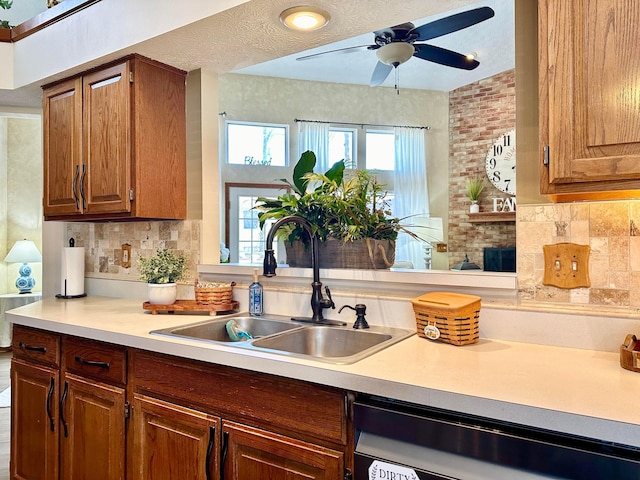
(251, 34)
(492, 40)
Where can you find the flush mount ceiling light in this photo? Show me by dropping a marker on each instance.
(395, 53)
(304, 18)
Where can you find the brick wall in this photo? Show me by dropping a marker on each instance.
(478, 114)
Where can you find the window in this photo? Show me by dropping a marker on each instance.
(257, 144)
(246, 241)
(250, 240)
(342, 143)
(380, 147)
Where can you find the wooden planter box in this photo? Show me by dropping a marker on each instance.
(360, 254)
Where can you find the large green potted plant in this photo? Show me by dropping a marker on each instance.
(161, 272)
(349, 213)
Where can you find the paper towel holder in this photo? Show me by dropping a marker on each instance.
(59, 295)
(64, 295)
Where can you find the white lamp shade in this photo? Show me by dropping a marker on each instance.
(23, 251)
(395, 53)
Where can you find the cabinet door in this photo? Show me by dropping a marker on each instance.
(62, 148)
(590, 98)
(171, 442)
(92, 423)
(34, 421)
(252, 453)
(107, 153)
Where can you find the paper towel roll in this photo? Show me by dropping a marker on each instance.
(72, 271)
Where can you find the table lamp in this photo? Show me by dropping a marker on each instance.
(24, 251)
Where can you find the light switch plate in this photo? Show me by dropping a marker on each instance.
(126, 255)
(566, 265)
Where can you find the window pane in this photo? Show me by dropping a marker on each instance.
(341, 147)
(381, 153)
(251, 240)
(256, 144)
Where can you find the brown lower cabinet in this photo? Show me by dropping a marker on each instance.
(68, 412)
(254, 453)
(170, 441)
(89, 410)
(34, 421)
(92, 428)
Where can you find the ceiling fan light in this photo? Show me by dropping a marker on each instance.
(395, 53)
(305, 18)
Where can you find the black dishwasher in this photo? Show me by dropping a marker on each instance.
(400, 441)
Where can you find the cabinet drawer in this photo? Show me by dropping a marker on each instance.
(101, 361)
(36, 345)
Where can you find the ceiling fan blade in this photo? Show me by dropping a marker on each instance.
(444, 57)
(453, 23)
(341, 50)
(380, 74)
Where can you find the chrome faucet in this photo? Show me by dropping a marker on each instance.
(318, 302)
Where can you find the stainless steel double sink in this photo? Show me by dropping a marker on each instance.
(281, 335)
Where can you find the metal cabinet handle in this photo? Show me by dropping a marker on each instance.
(32, 348)
(212, 438)
(52, 387)
(225, 448)
(74, 186)
(84, 199)
(62, 402)
(92, 363)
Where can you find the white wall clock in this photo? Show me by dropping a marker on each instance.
(501, 163)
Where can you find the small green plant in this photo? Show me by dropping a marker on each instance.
(164, 267)
(5, 5)
(475, 185)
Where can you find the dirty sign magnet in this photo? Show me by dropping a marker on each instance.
(387, 471)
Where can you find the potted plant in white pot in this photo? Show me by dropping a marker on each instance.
(161, 272)
(475, 185)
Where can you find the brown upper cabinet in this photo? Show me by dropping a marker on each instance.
(589, 97)
(115, 143)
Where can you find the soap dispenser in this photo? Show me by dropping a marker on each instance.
(360, 310)
(255, 296)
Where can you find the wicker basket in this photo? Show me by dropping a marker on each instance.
(448, 317)
(214, 293)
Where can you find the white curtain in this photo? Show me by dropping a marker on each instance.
(314, 136)
(410, 190)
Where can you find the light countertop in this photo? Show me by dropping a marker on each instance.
(575, 391)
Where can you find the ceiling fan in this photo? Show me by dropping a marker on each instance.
(396, 45)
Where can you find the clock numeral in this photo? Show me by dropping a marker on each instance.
(507, 140)
(492, 163)
(496, 177)
(497, 150)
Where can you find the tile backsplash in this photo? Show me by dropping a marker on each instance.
(611, 229)
(103, 245)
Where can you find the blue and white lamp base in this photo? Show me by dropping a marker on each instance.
(25, 281)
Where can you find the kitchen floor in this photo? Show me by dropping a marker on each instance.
(5, 416)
